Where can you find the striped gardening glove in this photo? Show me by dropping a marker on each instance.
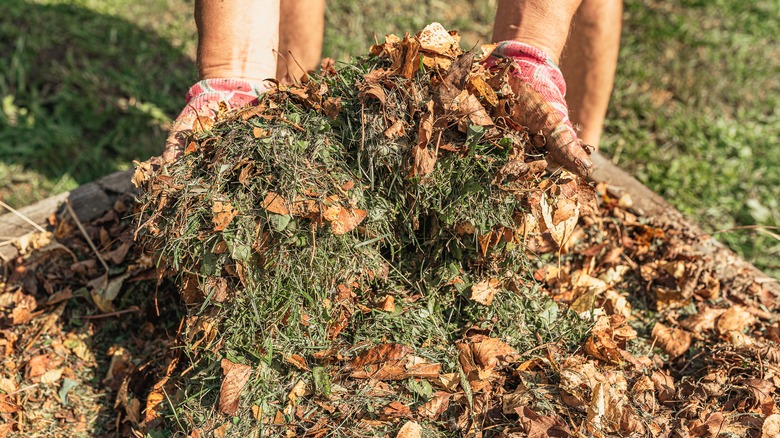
(202, 104)
(542, 89)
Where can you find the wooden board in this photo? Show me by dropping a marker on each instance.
(88, 201)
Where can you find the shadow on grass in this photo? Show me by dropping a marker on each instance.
(83, 94)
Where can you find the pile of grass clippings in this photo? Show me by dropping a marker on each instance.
(355, 251)
(357, 244)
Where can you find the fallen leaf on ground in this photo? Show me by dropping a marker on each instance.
(411, 429)
(235, 377)
(52, 376)
(347, 220)
(380, 353)
(76, 343)
(560, 219)
(736, 318)
(396, 410)
(672, 341)
(771, 427)
(436, 406)
(297, 361)
(702, 321)
(7, 406)
(484, 291)
(223, 214)
(542, 426)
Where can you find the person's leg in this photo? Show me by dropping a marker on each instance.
(301, 30)
(589, 62)
(543, 24)
(237, 38)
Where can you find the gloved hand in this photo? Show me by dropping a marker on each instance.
(547, 111)
(202, 101)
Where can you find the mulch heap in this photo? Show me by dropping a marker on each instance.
(384, 249)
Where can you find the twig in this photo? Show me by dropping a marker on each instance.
(110, 314)
(291, 123)
(22, 216)
(26, 388)
(86, 236)
(747, 227)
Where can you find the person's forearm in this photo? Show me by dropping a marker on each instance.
(541, 23)
(237, 38)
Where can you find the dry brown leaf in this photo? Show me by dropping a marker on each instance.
(396, 410)
(436, 406)
(348, 219)
(52, 376)
(468, 107)
(7, 385)
(275, 203)
(257, 412)
(771, 427)
(118, 255)
(424, 161)
(78, 345)
(664, 386)
(712, 427)
(235, 377)
(157, 394)
(479, 355)
(561, 219)
(40, 364)
(396, 130)
(481, 88)
(673, 341)
(702, 321)
(484, 291)
(332, 107)
(222, 214)
(736, 318)
(374, 90)
(490, 353)
(435, 39)
(24, 305)
(258, 132)
(411, 429)
(421, 368)
(297, 361)
(387, 304)
(7, 406)
(616, 304)
(608, 336)
(380, 353)
(298, 391)
(542, 426)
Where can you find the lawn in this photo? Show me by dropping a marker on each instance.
(88, 86)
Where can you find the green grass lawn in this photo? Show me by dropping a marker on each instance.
(86, 86)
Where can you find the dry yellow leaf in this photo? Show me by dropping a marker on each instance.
(411, 429)
(484, 291)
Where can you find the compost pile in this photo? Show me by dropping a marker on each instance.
(385, 249)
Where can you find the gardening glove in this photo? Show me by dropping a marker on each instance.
(546, 105)
(202, 104)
